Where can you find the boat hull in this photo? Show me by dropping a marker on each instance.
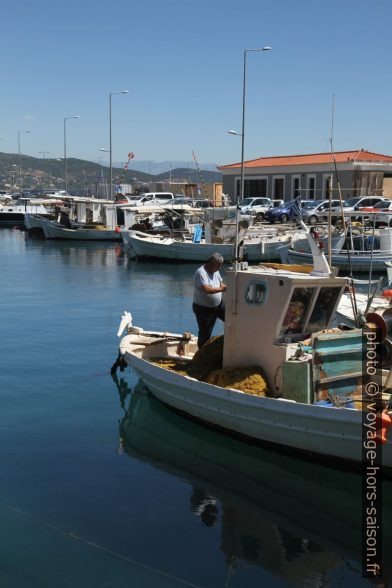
(359, 263)
(169, 249)
(332, 433)
(53, 230)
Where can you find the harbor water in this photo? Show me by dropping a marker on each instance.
(103, 486)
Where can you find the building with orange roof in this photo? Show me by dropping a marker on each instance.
(360, 173)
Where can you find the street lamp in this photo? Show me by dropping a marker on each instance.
(44, 154)
(110, 137)
(65, 149)
(242, 135)
(20, 162)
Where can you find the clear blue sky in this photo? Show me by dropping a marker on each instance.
(182, 62)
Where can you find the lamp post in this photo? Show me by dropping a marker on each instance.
(242, 135)
(110, 138)
(65, 150)
(20, 162)
(44, 154)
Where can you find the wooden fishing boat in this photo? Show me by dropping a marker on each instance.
(261, 247)
(359, 260)
(278, 322)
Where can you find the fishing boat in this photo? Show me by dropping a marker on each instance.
(220, 230)
(278, 326)
(359, 254)
(80, 219)
(13, 214)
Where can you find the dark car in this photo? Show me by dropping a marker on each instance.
(283, 213)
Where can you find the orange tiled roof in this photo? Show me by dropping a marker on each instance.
(312, 159)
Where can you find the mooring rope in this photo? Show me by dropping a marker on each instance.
(100, 547)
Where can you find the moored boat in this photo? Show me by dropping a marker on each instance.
(277, 322)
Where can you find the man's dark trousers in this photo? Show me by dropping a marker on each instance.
(206, 318)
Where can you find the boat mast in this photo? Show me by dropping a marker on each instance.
(354, 300)
(330, 192)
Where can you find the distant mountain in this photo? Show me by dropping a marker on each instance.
(159, 167)
(192, 176)
(82, 175)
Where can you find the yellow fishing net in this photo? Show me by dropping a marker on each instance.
(206, 366)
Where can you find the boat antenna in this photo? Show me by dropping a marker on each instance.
(354, 300)
(371, 256)
(200, 175)
(330, 192)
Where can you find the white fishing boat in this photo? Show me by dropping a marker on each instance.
(55, 230)
(257, 244)
(355, 258)
(277, 324)
(13, 214)
(82, 219)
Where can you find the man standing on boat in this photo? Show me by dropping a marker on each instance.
(207, 297)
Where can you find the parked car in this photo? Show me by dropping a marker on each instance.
(276, 203)
(383, 219)
(196, 203)
(283, 213)
(314, 211)
(356, 202)
(255, 206)
(138, 200)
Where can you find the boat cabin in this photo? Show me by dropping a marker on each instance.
(268, 311)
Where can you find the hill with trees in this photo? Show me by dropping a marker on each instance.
(82, 175)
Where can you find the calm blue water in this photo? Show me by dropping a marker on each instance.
(102, 486)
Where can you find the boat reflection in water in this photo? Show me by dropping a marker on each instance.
(296, 519)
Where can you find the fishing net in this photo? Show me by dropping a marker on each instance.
(206, 366)
(250, 380)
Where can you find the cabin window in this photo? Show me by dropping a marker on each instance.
(120, 216)
(256, 293)
(323, 308)
(299, 304)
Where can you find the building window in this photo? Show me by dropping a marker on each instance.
(327, 186)
(296, 186)
(255, 188)
(311, 187)
(278, 188)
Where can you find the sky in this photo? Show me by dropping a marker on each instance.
(182, 62)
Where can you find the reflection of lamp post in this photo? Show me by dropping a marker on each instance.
(110, 138)
(65, 150)
(242, 135)
(20, 162)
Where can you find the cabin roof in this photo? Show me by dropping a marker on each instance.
(267, 272)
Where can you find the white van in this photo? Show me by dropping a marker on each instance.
(158, 197)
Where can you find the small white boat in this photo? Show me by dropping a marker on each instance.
(256, 247)
(13, 214)
(279, 322)
(87, 219)
(54, 230)
(360, 260)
